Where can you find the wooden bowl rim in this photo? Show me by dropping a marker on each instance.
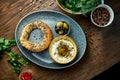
(65, 9)
(57, 39)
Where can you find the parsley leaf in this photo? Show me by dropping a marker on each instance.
(82, 6)
(14, 59)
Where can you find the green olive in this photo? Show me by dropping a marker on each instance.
(65, 25)
(60, 32)
(61, 28)
(59, 24)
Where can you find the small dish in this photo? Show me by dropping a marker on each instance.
(102, 16)
(65, 9)
(77, 7)
(43, 58)
(62, 28)
(25, 75)
(63, 49)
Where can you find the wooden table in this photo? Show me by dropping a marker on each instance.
(103, 44)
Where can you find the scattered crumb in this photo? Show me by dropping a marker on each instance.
(20, 9)
(34, 1)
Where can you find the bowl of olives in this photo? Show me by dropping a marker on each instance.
(62, 28)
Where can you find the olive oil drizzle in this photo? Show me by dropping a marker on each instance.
(63, 50)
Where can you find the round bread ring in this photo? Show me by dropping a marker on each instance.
(47, 36)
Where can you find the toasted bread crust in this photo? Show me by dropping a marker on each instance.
(47, 36)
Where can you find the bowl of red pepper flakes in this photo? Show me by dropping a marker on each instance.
(25, 76)
(102, 15)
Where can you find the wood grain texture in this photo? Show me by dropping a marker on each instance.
(103, 44)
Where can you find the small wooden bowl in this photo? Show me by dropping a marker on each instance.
(65, 9)
(55, 55)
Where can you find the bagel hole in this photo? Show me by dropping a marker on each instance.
(35, 36)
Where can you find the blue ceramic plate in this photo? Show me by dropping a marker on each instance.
(51, 18)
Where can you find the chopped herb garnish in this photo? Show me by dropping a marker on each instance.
(14, 59)
(82, 6)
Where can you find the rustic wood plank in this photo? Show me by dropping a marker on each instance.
(102, 43)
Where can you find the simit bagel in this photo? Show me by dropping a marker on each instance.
(32, 46)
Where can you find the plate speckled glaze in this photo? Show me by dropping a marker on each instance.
(51, 18)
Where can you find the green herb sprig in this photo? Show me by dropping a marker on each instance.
(14, 59)
(82, 6)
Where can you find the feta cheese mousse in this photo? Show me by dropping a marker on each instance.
(63, 49)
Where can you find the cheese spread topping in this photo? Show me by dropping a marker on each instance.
(63, 50)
